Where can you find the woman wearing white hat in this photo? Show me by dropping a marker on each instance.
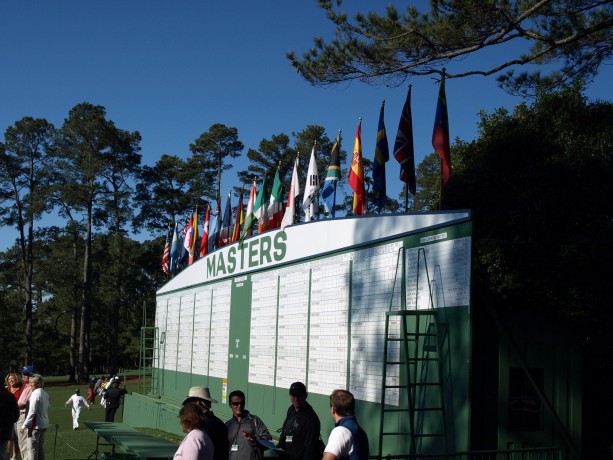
(196, 445)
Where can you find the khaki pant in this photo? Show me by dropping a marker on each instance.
(22, 438)
(37, 445)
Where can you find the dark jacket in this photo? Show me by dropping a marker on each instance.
(300, 435)
(9, 413)
(217, 431)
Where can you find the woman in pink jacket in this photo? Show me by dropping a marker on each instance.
(196, 445)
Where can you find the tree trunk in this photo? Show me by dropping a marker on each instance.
(84, 334)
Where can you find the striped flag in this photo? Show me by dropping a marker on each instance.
(440, 135)
(403, 147)
(382, 155)
(356, 174)
(333, 175)
(259, 209)
(275, 208)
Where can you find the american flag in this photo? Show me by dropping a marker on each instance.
(166, 256)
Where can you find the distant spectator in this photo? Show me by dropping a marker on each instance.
(112, 394)
(91, 396)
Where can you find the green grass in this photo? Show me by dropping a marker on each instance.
(64, 443)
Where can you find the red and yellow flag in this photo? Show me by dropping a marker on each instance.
(356, 174)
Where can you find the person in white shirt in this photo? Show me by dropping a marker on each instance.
(77, 402)
(37, 419)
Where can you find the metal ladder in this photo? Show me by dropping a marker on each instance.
(149, 359)
(413, 394)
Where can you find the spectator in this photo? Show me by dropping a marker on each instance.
(10, 414)
(347, 439)
(37, 419)
(91, 396)
(244, 430)
(13, 386)
(214, 427)
(112, 394)
(196, 445)
(300, 434)
(22, 402)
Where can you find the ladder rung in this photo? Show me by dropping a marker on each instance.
(429, 435)
(396, 433)
(427, 409)
(396, 410)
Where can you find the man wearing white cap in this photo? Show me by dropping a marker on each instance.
(215, 428)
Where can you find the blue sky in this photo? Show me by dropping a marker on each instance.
(172, 69)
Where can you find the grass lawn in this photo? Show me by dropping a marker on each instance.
(64, 443)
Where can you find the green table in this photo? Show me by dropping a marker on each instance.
(133, 442)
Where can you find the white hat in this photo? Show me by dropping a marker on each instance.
(199, 393)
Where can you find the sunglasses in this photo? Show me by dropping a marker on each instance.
(237, 403)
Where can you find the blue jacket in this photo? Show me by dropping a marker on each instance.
(360, 440)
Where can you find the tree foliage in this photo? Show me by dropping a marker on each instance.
(575, 36)
(212, 153)
(25, 183)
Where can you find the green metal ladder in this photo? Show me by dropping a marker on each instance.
(149, 359)
(413, 395)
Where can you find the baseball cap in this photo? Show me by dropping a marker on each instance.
(28, 370)
(297, 388)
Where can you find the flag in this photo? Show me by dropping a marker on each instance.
(259, 209)
(440, 135)
(239, 220)
(275, 208)
(310, 201)
(382, 155)
(294, 192)
(166, 255)
(174, 250)
(333, 175)
(356, 174)
(214, 228)
(403, 146)
(225, 235)
(204, 243)
(183, 238)
(189, 236)
(194, 237)
(249, 215)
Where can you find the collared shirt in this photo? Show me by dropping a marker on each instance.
(24, 397)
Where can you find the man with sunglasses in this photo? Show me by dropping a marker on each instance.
(244, 431)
